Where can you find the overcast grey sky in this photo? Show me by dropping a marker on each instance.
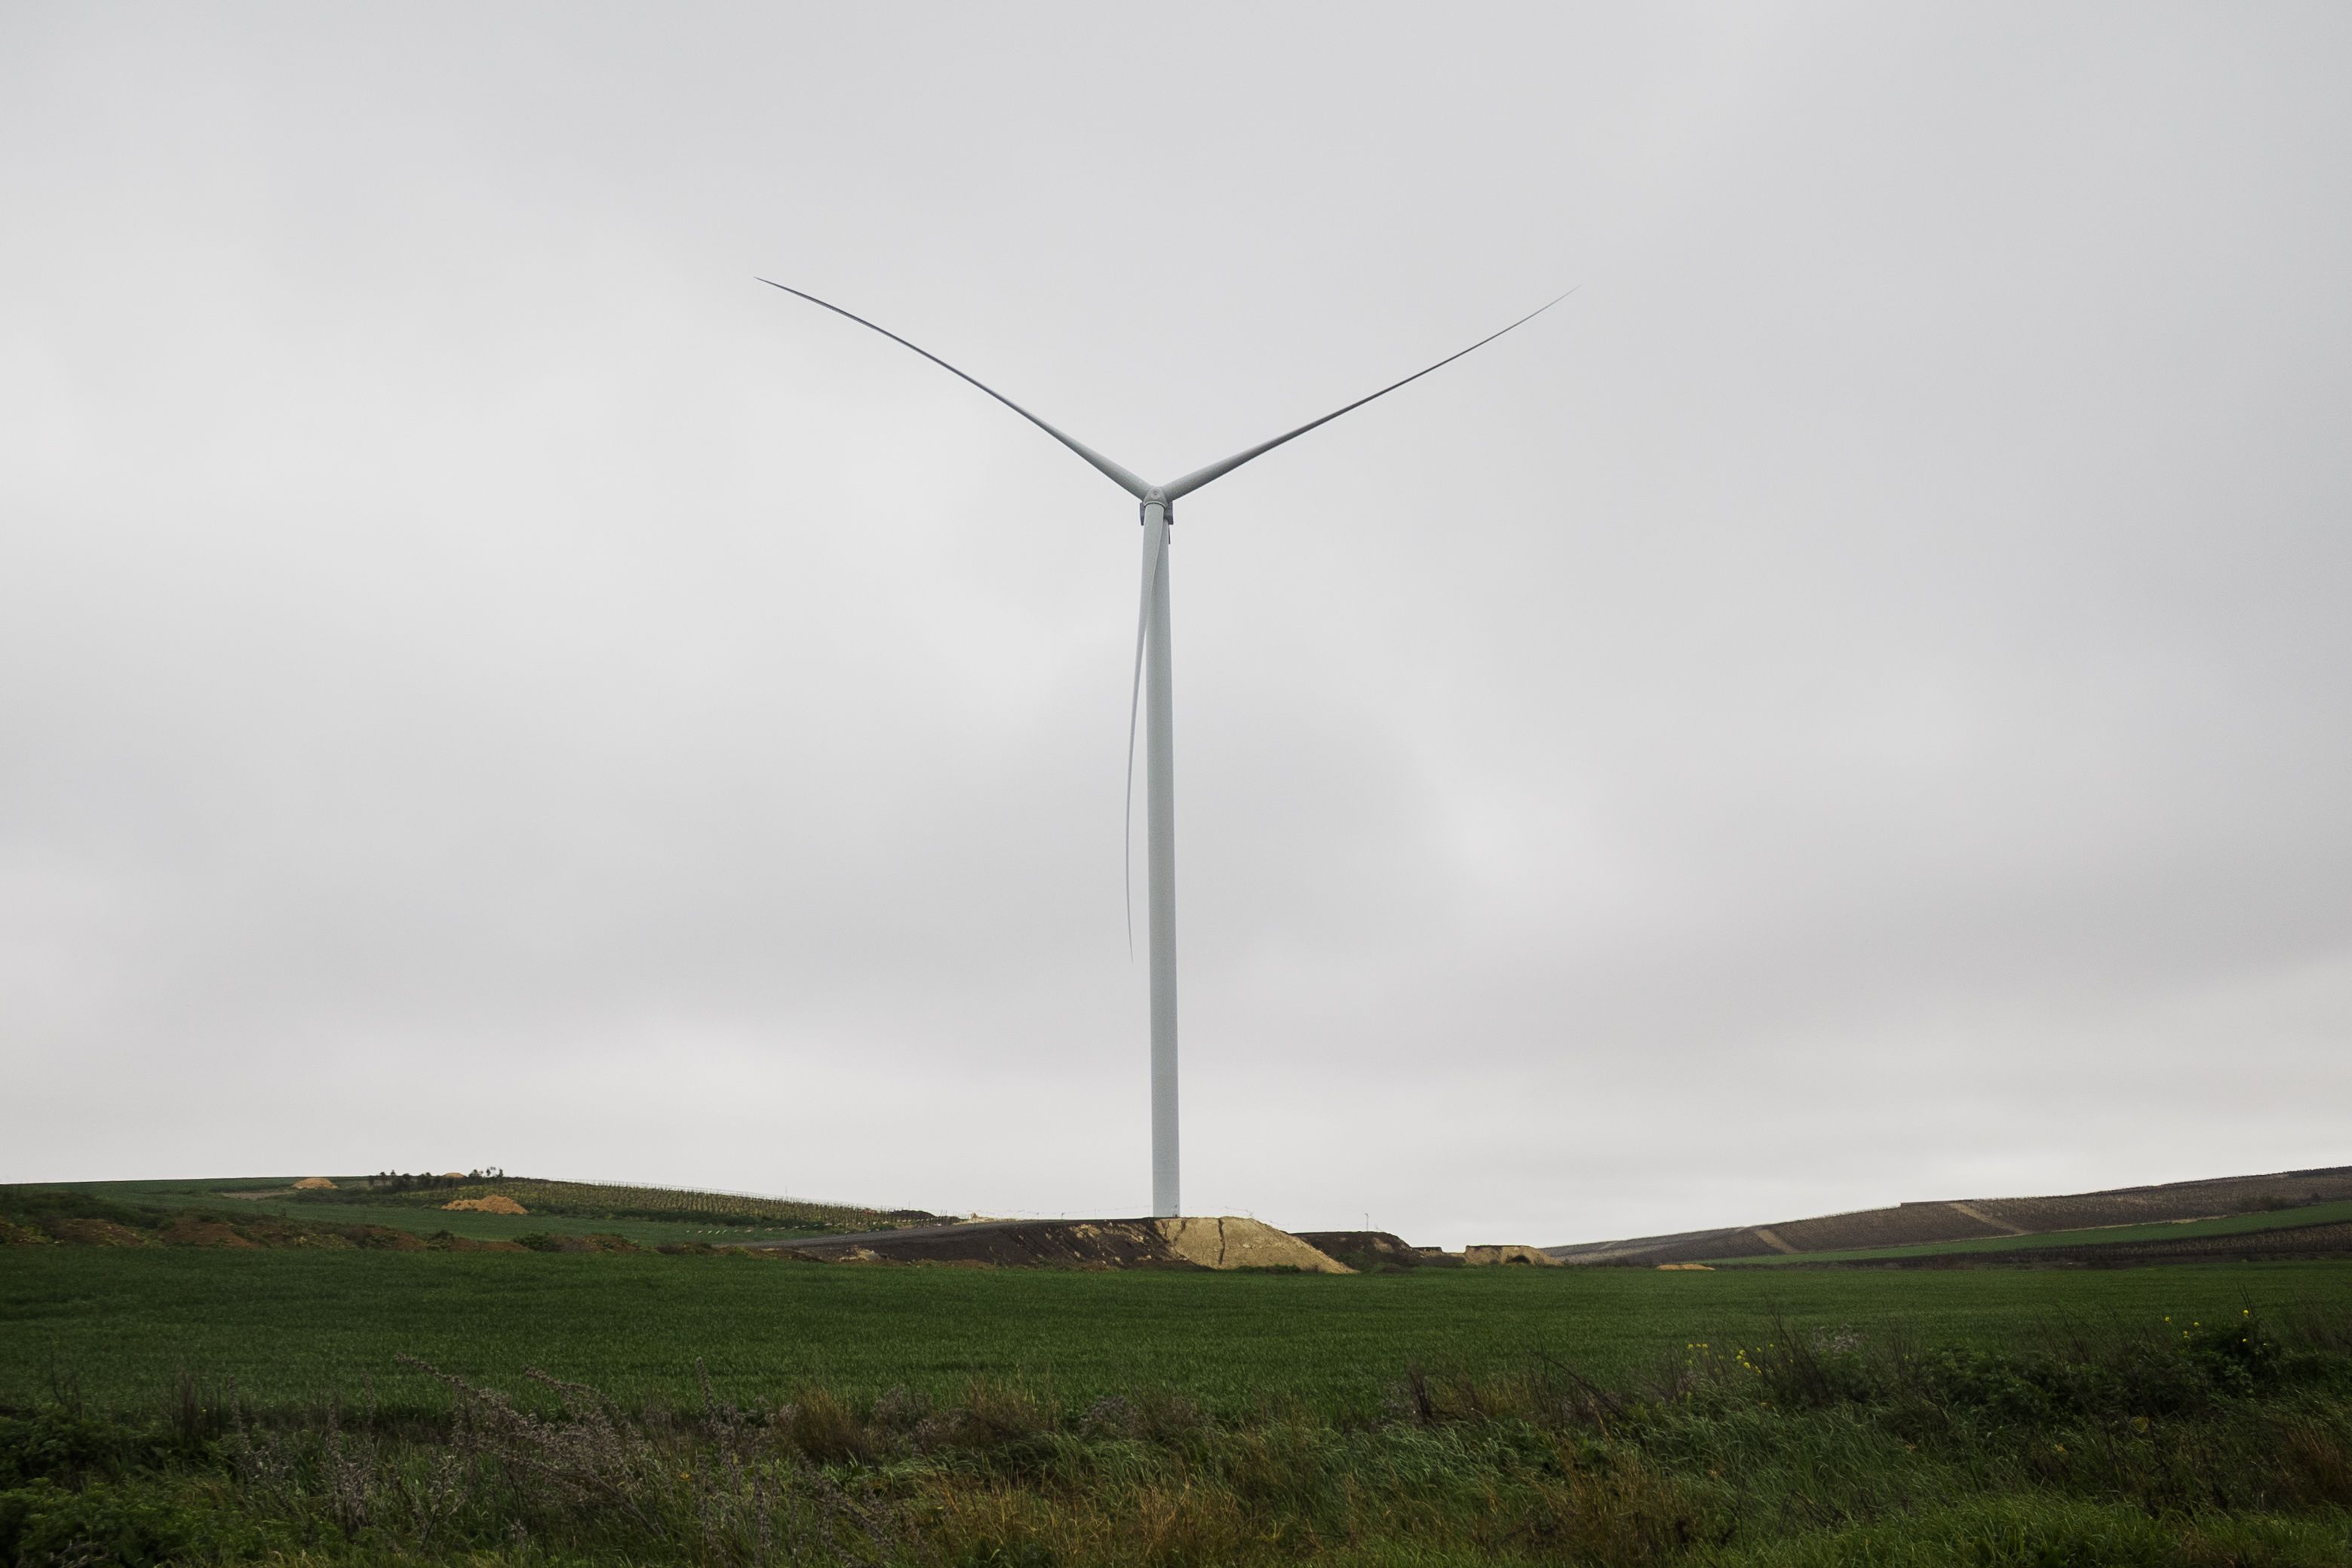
(1851, 706)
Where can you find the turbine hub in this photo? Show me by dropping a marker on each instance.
(1156, 497)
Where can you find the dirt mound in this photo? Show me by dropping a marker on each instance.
(602, 1241)
(384, 1238)
(1217, 1243)
(1375, 1251)
(314, 1184)
(1509, 1252)
(1235, 1243)
(113, 1226)
(95, 1233)
(493, 1204)
(197, 1231)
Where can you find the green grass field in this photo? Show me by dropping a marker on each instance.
(164, 1405)
(296, 1326)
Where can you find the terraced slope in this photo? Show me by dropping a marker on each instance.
(1972, 1225)
(2316, 1230)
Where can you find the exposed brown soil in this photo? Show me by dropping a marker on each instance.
(468, 1244)
(96, 1233)
(1376, 1252)
(494, 1204)
(1973, 1212)
(314, 1184)
(240, 1233)
(2180, 1200)
(597, 1243)
(1912, 1224)
(190, 1231)
(1227, 1243)
(1508, 1252)
(2285, 1244)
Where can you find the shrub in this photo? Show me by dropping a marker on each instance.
(44, 1524)
(54, 1444)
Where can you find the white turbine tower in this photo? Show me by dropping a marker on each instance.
(1151, 674)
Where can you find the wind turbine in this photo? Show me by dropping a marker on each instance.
(1157, 504)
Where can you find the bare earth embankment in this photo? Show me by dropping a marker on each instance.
(2287, 1214)
(1226, 1242)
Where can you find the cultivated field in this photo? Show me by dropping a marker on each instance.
(187, 1404)
(294, 1327)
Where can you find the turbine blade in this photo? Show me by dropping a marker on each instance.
(1110, 470)
(1200, 476)
(1154, 540)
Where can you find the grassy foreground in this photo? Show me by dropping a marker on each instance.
(195, 1406)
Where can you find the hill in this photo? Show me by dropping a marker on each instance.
(394, 1210)
(2305, 1213)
